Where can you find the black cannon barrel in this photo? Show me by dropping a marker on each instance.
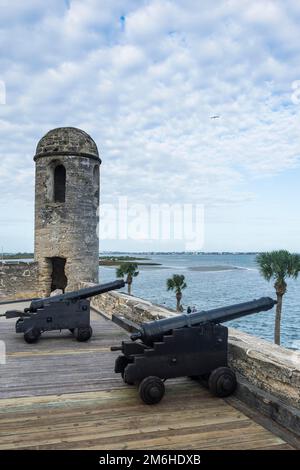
(78, 295)
(154, 330)
(17, 301)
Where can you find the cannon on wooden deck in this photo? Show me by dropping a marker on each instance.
(69, 311)
(193, 345)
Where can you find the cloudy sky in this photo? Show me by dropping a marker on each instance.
(144, 79)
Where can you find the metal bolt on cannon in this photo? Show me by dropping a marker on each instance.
(193, 345)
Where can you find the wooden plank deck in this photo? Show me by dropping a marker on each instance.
(61, 394)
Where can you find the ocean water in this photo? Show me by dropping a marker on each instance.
(212, 289)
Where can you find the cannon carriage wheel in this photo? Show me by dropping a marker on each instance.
(151, 390)
(83, 334)
(32, 335)
(222, 382)
(120, 366)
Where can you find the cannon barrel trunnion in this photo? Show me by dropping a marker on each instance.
(193, 345)
(69, 311)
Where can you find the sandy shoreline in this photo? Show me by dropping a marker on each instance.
(188, 268)
(213, 268)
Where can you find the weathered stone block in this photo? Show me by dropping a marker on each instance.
(272, 368)
(18, 280)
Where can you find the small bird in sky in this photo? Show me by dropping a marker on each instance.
(122, 22)
(214, 117)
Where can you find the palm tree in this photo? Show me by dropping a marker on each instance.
(129, 270)
(278, 265)
(177, 283)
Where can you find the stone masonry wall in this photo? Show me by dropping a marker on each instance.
(18, 280)
(272, 368)
(132, 308)
(67, 228)
(268, 367)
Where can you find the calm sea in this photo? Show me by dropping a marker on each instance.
(211, 289)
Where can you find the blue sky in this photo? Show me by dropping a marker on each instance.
(144, 78)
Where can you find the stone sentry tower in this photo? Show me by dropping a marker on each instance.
(66, 209)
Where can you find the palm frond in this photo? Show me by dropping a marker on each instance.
(278, 265)
(127, 268)
(294, 266)
(170, 284)
(119, 272)
(176, 282)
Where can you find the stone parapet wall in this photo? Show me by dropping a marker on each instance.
(132, 308)
(268, 375)
(272, 368)
(18, 280)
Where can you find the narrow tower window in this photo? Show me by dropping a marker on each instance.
(60, 184)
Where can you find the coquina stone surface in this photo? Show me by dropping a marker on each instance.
(132, 308)
(272, 368)
(18, 280)
(66, 209)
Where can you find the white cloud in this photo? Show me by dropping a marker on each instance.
(145, 90)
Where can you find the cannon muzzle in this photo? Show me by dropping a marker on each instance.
(116, 348)
(14, 314)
